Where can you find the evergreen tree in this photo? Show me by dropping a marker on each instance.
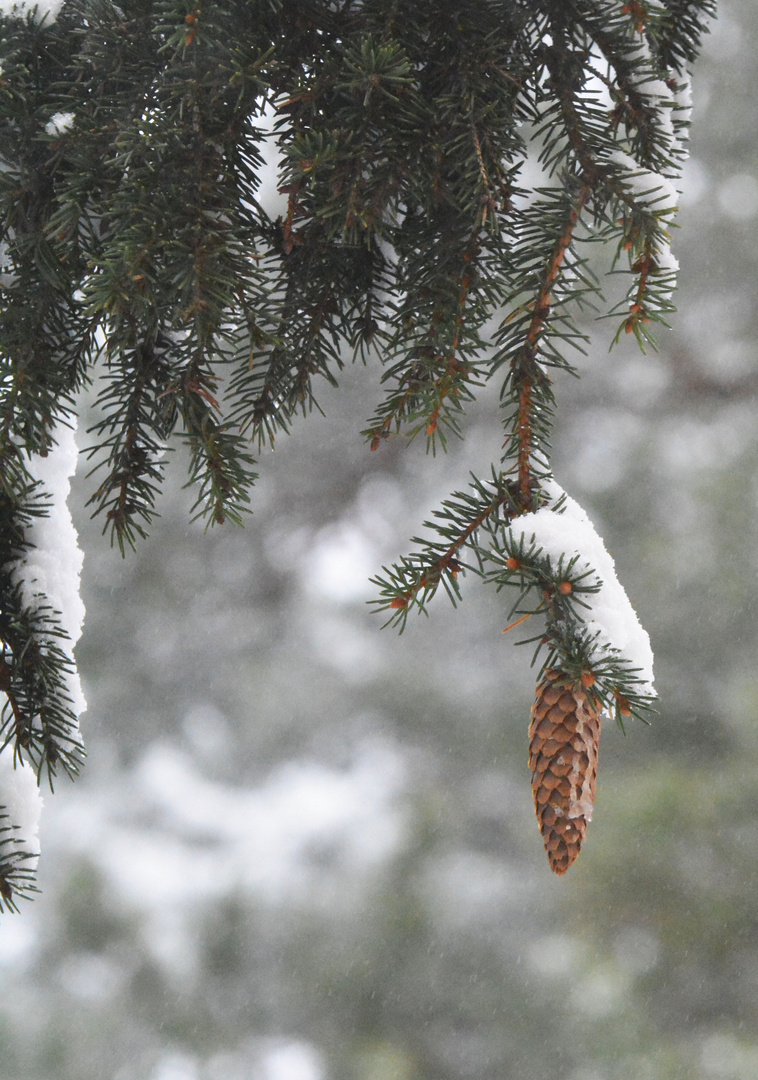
(134, 248)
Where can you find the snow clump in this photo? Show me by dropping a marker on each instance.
(52, 567)
(610, 617)
(42, 10)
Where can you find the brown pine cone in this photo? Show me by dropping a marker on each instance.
(564, 735)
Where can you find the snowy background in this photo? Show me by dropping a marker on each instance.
(305, 849)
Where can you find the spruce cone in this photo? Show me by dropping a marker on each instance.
(564, 735)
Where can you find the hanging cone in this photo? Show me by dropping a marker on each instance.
(564, 735)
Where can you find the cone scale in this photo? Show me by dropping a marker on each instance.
(564, 736)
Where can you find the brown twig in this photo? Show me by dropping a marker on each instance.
(643, 266)
(523, 365)
(447, 560)
(446, 382)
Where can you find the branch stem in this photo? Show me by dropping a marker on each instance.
(524, 370)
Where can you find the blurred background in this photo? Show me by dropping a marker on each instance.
(304, 848)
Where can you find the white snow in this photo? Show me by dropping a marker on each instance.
(59, 123)
(56, 561)
(610, 613)
(646, 187)
(666, 260)
(656, 192)
(7, 277)
(667, 270)
(653, 88)
(53, 568)
(293, 1061)
(683, 109)
(673, 107)
(307, 835)
(286, 840)
(656, 9)
(46, 10)
(273, 201)
(21, 798)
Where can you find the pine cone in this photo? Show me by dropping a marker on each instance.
(564, 735)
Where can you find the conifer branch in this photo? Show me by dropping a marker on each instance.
(128, 209)
(525, 373)
(37, 720)
(140, 416)
(457, 525)
(16, 867)
(561, 592)
(268, 392)
(436, 382)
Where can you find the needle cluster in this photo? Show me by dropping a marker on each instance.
(134, 250)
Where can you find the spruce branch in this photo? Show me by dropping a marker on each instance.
(139, 415)
(37, 720)
(415, 580)
(561, 591)
(433, 379)
(16, 867)
(527, 386)
(131, 143)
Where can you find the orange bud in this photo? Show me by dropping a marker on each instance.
(512, 564)
(588, 679)
(399, 602)
(624, 707)
(565, 587)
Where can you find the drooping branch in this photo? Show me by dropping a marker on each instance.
(527, 381)
(456, 526)
(403, 131)
(434, 380)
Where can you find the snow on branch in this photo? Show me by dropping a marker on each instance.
(50, 568)
(41, 10)
(53, 566)
(20, 810)
(563, 533)
(648, 188)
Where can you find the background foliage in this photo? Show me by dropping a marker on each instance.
(307, 850)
